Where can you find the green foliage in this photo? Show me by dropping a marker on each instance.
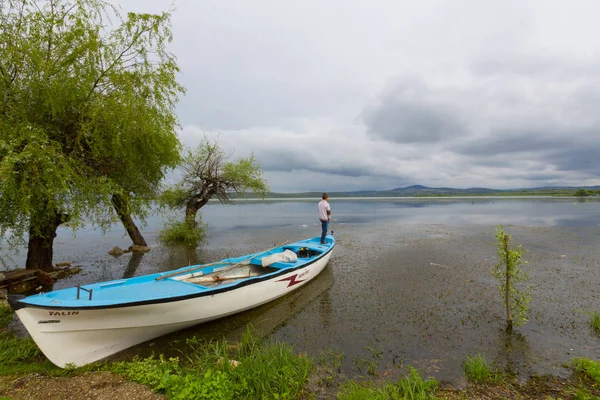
(352, 390)
(581, 192)
(87, 109)
(209, 385)
(275, 370)
(151, 371)
(410, 387)
(478, 369)
(179, 232)
(588, 367)
(508, 272)
(15, 350)
(208, 173)
(207, 371)
(331, 358)
(595, 322)
(6, 315)
(583, 394)
(369, 364)
(414, 387)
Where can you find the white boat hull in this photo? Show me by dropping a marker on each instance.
(79, 337)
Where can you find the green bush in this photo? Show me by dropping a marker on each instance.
(178, 232)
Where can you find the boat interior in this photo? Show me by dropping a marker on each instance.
(231, 271)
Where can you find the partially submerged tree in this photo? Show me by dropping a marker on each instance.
(87, 117)
(508, 272)
(209, 173)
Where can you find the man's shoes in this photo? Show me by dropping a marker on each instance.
(323, 242)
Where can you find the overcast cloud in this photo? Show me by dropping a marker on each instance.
(360, 95)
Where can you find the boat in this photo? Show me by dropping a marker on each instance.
(87, 323)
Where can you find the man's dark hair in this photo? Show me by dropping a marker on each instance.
(324, 196)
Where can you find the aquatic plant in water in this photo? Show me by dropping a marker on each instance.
(508, 272)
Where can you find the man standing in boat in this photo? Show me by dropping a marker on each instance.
(324, 216)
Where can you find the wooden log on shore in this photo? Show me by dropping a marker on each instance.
(30, 281)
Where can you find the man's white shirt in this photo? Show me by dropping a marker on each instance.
(323, 208)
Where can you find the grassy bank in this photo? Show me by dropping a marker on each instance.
(257, 369)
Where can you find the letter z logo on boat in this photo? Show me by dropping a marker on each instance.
(292, 279)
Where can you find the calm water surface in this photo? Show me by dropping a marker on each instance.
(410, 278)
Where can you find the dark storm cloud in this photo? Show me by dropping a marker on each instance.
(532, 176)
(584, 157)
(502, 142)
(563, 151)
(295, 162)
(403, 122)
(407, 114)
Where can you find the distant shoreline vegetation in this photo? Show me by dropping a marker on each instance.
(424, 191)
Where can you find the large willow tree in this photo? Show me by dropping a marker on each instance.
(87, 121)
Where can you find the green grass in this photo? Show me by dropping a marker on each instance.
(589, 368)
(477, 369)
(6, 315)
(16, 354)
(595, 322)
(352, 390)
(262, 370)
(410, 387)
(583, 394)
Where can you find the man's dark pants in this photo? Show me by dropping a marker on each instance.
(324, 225)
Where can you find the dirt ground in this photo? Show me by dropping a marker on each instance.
(109, 386)
(93, 386)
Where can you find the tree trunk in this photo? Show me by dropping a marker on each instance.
(192, 207)
(190, 214)
(122, 208)
(39, 247)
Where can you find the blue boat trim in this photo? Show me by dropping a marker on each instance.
(17, 303)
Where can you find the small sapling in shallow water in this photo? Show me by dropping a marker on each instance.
(508, 272)
(595, 322)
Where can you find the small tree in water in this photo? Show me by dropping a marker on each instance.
(508, 272)
(208, 173)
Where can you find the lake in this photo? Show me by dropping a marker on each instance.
(409, 282)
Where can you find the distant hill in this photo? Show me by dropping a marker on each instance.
(424, 191)
(420, 190)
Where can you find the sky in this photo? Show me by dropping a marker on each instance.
(343, 95)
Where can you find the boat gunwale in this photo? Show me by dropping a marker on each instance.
(20, 304)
